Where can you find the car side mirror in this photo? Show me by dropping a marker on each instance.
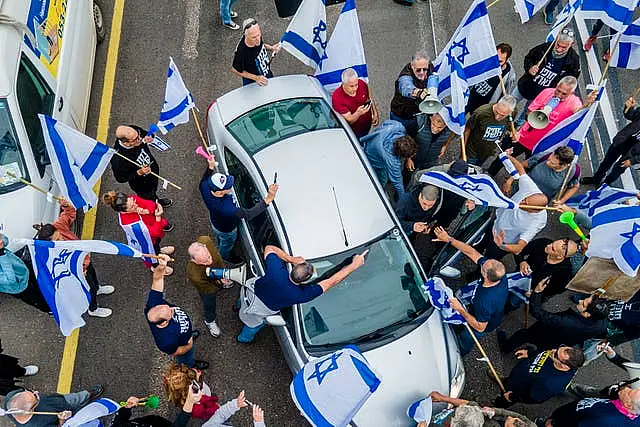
(450, 272)
(276, 320)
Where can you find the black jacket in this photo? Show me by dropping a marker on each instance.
(125, 171)
(527, 87)
(405, 107)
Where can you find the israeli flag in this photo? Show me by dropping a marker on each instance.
(480, 188)
(58, 266)
(421, 410)
(137, 234)
(439, 295)
(160, 144)
(519, 285)
(615, 13)
(472, 44)
(508, 165)
(563, 19)
(89, 415)
(572, 131)
(527, 8)
(593, 200)
(627, 55)
(178, 101)
(331, 390)
(466, 293)
(344, 50)
(615, 234)
(306, 35)
(77, 161)
(453, 114)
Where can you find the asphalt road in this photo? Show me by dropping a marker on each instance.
(119, 352)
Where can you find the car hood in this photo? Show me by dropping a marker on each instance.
(409, 369)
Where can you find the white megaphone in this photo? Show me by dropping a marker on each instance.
(634, 372)
(238, 275)
(539, 119)
(431, 104)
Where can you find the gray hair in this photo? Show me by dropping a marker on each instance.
(635, 405)
(430, 192)
(419, 55)
(194, 247)
(509, 101)
(569, 81)
(467, 416)
(348, 74)
(564, 37)
(19, 401)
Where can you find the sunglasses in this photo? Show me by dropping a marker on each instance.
(565, 243)
(422, 70)
(567, 32)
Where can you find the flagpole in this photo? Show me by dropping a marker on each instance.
(546, 208)
(504, 93)
(526, 315)
(555, 38)
(463, 146)
(633, 96)
(613, 51)
(151, 173)
(204, 141)
(484, 354)
(563, 187)
(155, 257)
(24, 181)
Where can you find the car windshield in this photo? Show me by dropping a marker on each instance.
(381, 295)
(11, 158)
(278, 120)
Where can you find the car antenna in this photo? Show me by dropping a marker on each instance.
(344, 232)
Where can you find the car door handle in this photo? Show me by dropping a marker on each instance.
(60, 104)
(252, 268)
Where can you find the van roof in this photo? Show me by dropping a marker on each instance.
(10, 43)
(310, 166)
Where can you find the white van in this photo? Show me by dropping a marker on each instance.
(47, 49)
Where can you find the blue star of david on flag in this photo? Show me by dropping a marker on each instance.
(320, 374)
(614, 235)
(318, 32)
(462, 44)
(306, 35)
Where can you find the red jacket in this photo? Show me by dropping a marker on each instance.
(156, 228)
(206, 408)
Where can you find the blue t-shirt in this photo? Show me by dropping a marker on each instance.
(488, 303)
(223, 211)
(276, 290)
(177, 333)
(536, 379)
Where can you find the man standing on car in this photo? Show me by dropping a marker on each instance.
(487, 306)
(279, 289)
(132, 142)
(252, 58)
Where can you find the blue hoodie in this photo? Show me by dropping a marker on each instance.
(378, 146)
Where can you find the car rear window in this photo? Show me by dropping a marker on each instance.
(11, 158)
(279, 120)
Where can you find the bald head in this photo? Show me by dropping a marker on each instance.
(25, 401)
(128, 136)
(160, 315)
(492, 270)
(537, 199)
(200, 254)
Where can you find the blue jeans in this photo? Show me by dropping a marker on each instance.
(189, 358)
(225, 241)
(522, 115)
(551, 6)
(466, 342)
(248, 334)
(77, 400)
(225, 10)
(209, 307)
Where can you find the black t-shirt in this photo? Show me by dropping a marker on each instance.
(534, 254)
(626, 315)
(535, 379)
(481, 93)
(254, 60)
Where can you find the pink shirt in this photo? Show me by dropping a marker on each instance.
(529, 136)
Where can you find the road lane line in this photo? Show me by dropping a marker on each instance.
(71, 342)
(191, 29)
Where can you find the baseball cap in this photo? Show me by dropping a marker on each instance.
(220, 181)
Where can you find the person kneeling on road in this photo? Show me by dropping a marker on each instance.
(278, 289)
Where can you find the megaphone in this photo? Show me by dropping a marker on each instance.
(633, 369)
(238, 275)
(431, 104)
(539, 119)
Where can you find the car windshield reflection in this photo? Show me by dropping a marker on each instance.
(11, 159)
(372, 302)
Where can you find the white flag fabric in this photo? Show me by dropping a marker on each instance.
(58, 266)
(615, 13)
(572, 131)
(89, 415)
(473, 45)
(77, 161)
(137, 233)
(615, 234)
(517, 284)
(344, 50)
(178, 101)
(563, 19)
(508, 165)
(159, 144)
(439, 295)
(627, 54)
(527, 8)
(421, 410)
(590, 201)
(453, 114)
(330, 391)
(480, 188)
(306, 35)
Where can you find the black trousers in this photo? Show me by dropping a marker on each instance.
(611, 157)
(94, 285)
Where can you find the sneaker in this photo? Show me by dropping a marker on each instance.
(607, 56)
(233, 14)
(168, 228)
(106, 290)
(166, 202)
(214, 329)
(195, 334)
(548, 17)
(30, 370)
(201, 365)
(95, 392)
(167, 250)
(100, 312)
(589, 43)
(227, 283)
(231, 25)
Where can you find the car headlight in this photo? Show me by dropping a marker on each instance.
(457, 382)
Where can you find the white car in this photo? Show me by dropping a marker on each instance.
(329, 207)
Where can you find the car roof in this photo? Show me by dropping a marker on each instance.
(244, 99)
(310, 166)
(10, 44)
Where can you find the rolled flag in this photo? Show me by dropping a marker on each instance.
(480, 188)
(439, 295)
(89, 415)
(420, 411)
(527, 8)
(178, 101)
(508, 165)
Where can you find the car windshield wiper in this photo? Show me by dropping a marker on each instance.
(384, 331)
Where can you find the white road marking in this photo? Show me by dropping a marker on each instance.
(191, 29)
